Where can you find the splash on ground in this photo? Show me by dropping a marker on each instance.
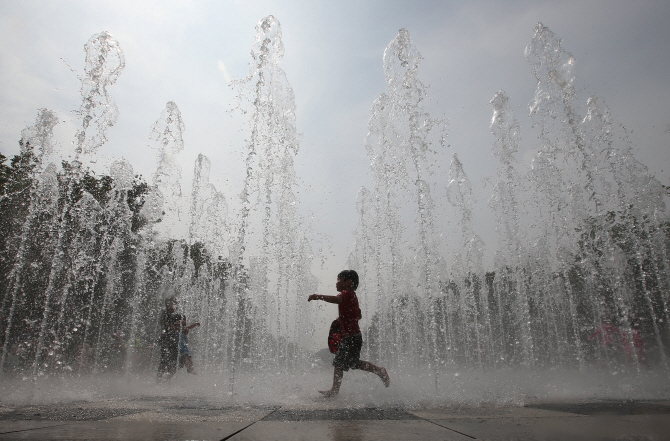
(409, 388)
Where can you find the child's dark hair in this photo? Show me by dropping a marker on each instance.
(349, 275)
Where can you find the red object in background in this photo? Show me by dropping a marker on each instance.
(614, 337)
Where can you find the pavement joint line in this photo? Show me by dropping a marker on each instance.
(32, 428)
(449, 428)
(341, 414)
(249, 425)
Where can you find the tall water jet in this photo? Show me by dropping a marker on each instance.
(582, 259)
(54, 215)
(104, 63)
(399, 143)
(466, 283)
(510, 260)
(184, 251)
(36, 144)
(271, 241)
(167, 137)
(116, 219)
(570, 279)
(209, 211)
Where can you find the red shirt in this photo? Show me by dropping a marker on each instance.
(349, 313)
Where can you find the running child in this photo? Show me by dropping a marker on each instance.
(349, 313)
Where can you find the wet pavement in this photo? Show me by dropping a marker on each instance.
(179, 418)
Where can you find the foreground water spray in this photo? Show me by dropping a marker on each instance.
(104, 63)
(399, 264)
(566, 289)
(270, 243)
(580, 281)
(43, 199)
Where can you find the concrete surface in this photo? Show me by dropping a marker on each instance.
(178, 418)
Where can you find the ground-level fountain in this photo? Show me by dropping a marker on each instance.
(579, 288)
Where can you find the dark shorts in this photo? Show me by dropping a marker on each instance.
(168, 355)
(349, 354)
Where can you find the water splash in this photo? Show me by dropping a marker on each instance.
(167, 137)
(116, 223)
(466, 269)
(583, 256)
(104, 63)
(270, 242)
(510, 264)
(43, 201)
(209, 210)
(38, 137)
(399, 143)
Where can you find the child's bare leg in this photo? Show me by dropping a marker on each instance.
(377, 370)
(337, 381)
(188, 361)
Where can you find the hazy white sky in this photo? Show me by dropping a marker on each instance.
(187, 51)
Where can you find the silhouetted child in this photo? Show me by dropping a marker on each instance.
(169, 340)
(349, 313)
(173, 341)
(184, 353)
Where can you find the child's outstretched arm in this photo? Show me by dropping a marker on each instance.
(185, 329)
(329, 299)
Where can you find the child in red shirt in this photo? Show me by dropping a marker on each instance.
(349, 313)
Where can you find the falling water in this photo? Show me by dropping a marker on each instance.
(582, 257)
(209, 210)
(116, 220)
(167, 137)
(43, 199)
(399, 144)
(271, 242)
(509, 265)
(465, 285)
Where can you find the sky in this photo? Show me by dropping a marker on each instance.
(189, 51)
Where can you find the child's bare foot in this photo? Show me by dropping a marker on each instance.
(385, 377)
(329, 393)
